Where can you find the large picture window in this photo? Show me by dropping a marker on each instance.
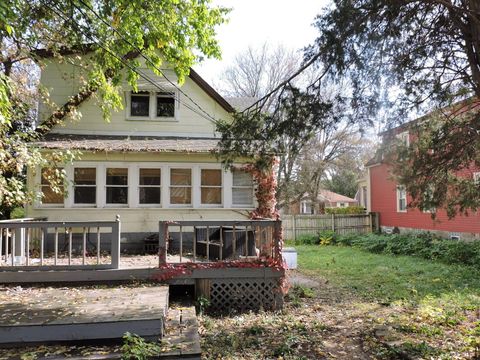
(85, 185)
(149, 186)
(211, 187)
(51, 194)
(180, 186)
(117, 186)
(242, 190)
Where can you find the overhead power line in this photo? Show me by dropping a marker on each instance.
(88, 33)
(140, 53)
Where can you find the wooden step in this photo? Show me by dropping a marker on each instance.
(72, 314)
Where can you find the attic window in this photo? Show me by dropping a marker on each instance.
(165, 105)
(150, 105)
(140, 104)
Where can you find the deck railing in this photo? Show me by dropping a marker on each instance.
(30, 244)
(212, 241)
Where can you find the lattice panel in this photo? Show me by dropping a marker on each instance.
(244, 294)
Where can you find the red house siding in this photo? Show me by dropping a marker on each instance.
(384, 201)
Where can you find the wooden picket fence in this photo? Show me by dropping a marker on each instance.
(296, 225)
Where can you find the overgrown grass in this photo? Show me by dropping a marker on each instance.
(434, 308)
(387, 278)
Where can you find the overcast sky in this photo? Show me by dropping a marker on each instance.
(254, 22)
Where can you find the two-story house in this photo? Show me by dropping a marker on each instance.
(153, 161)
(390, 200)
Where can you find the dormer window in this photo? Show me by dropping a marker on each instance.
(150, 105)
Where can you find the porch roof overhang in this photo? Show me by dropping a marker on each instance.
(127, 144)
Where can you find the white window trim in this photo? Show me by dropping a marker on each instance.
(221, 187)
(193, 195)
(303, 207)
(398, 199)
(136, 183)
(38, 185)
(152, 95)
(133, 186)
(71, 176)
(128, 186)
(242, 206)
(404, 137)
(476, 177)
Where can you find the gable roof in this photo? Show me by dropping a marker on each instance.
(332, 197)
(196, 78)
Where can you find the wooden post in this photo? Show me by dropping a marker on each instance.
(115, 248)
(370, 218)
(294, 227)
(333, 222)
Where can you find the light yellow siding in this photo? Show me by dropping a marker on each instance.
(137, 219)
(61, 80)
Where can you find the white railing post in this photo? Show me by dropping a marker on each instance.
(162, 243)
(115, 248)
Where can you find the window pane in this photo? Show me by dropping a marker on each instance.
(242, 196)
(149, 176)
(181, 177)
(165, 106)
(242, 178)
(139, 105)
(84, 176)
(117, 195)
(85, 195)
(149, 195)
(117, 176)
(50, 197)
(211, 195)
(211, 177)
(180, 195)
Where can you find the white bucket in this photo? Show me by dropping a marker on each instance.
(290, 257)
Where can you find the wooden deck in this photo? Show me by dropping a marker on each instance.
(31, 315)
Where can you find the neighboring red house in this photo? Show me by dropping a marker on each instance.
(389, 199)
(326, 199)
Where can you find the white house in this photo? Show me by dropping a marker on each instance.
(153, 161)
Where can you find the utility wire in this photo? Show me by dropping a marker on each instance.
(87, 32)
(140, 53)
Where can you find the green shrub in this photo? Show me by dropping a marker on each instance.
(424, 245)
(327, 237)
(17, 213)
(345, 210)
(308, 239)
(346, 239)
